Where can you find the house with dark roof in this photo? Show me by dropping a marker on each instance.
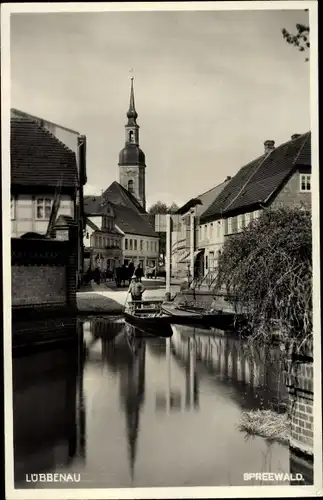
(281, 176)
(140, 243)
(181, 230)
(103, 239)
(40, 160)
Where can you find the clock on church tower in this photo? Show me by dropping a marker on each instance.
(132, 162)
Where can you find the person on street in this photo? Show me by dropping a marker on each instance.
(139, 272)
(136, 290)
(131, 269)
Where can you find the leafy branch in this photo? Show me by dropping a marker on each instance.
(300, 40)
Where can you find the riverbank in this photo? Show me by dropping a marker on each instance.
(267, 424)
(109, 300)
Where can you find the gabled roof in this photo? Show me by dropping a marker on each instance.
(91, 224)
(202, 201)
(131, 222)
(38, 158)
(209, 197)
(258, 181)
(117, 194)
(127, 219)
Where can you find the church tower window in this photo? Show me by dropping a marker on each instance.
(130, 186)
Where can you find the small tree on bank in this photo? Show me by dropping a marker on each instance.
(267, 268)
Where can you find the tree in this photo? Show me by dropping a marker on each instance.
(161, 208)
(300, 40)
(267, 268)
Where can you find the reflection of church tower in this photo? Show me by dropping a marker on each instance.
(132, 385)
(131, 158)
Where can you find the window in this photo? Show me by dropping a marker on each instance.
(135, 244)
(43, 208)
(218, 227)
(226, 226)
(13, 208)
(126, 244)
(131, 136)
(229, 225)
(206, 262)
(305, 182)
(211, 230)
(141, 245)
(156, 247)
(130, 244)
(242, 221)
(205, 232)
(211, 260)
(234, 224)
(130, 186)
(147, 246)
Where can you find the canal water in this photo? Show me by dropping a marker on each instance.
(145, 412)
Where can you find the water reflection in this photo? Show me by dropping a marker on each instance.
(48, 410)
(159, 412)
(254, 373)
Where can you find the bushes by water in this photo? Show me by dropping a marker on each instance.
(268, 269)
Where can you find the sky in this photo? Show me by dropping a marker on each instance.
(210, 88)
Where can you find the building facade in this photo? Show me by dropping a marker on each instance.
(102, 241)
(39, 163)
(141, 249)
(139, 241)
(39, 151)
(181, 232)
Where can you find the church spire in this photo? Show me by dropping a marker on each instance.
(132, 114)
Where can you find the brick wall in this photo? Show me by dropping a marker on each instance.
(299, 381)
(36, 285)
(290, 195)
(43, 273)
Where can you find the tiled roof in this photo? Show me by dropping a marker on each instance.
(127, 219)
(39, 158)
(132, 222)
(120, 196)
(208, 197)
(260, 179)
(202, 201)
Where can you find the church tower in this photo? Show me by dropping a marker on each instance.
(131, 158)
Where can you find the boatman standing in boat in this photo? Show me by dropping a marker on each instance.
(136, 289)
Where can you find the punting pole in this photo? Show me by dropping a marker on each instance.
(168, 253)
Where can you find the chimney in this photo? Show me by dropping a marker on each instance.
(228, 178)
(269, 146)
(295, 136)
